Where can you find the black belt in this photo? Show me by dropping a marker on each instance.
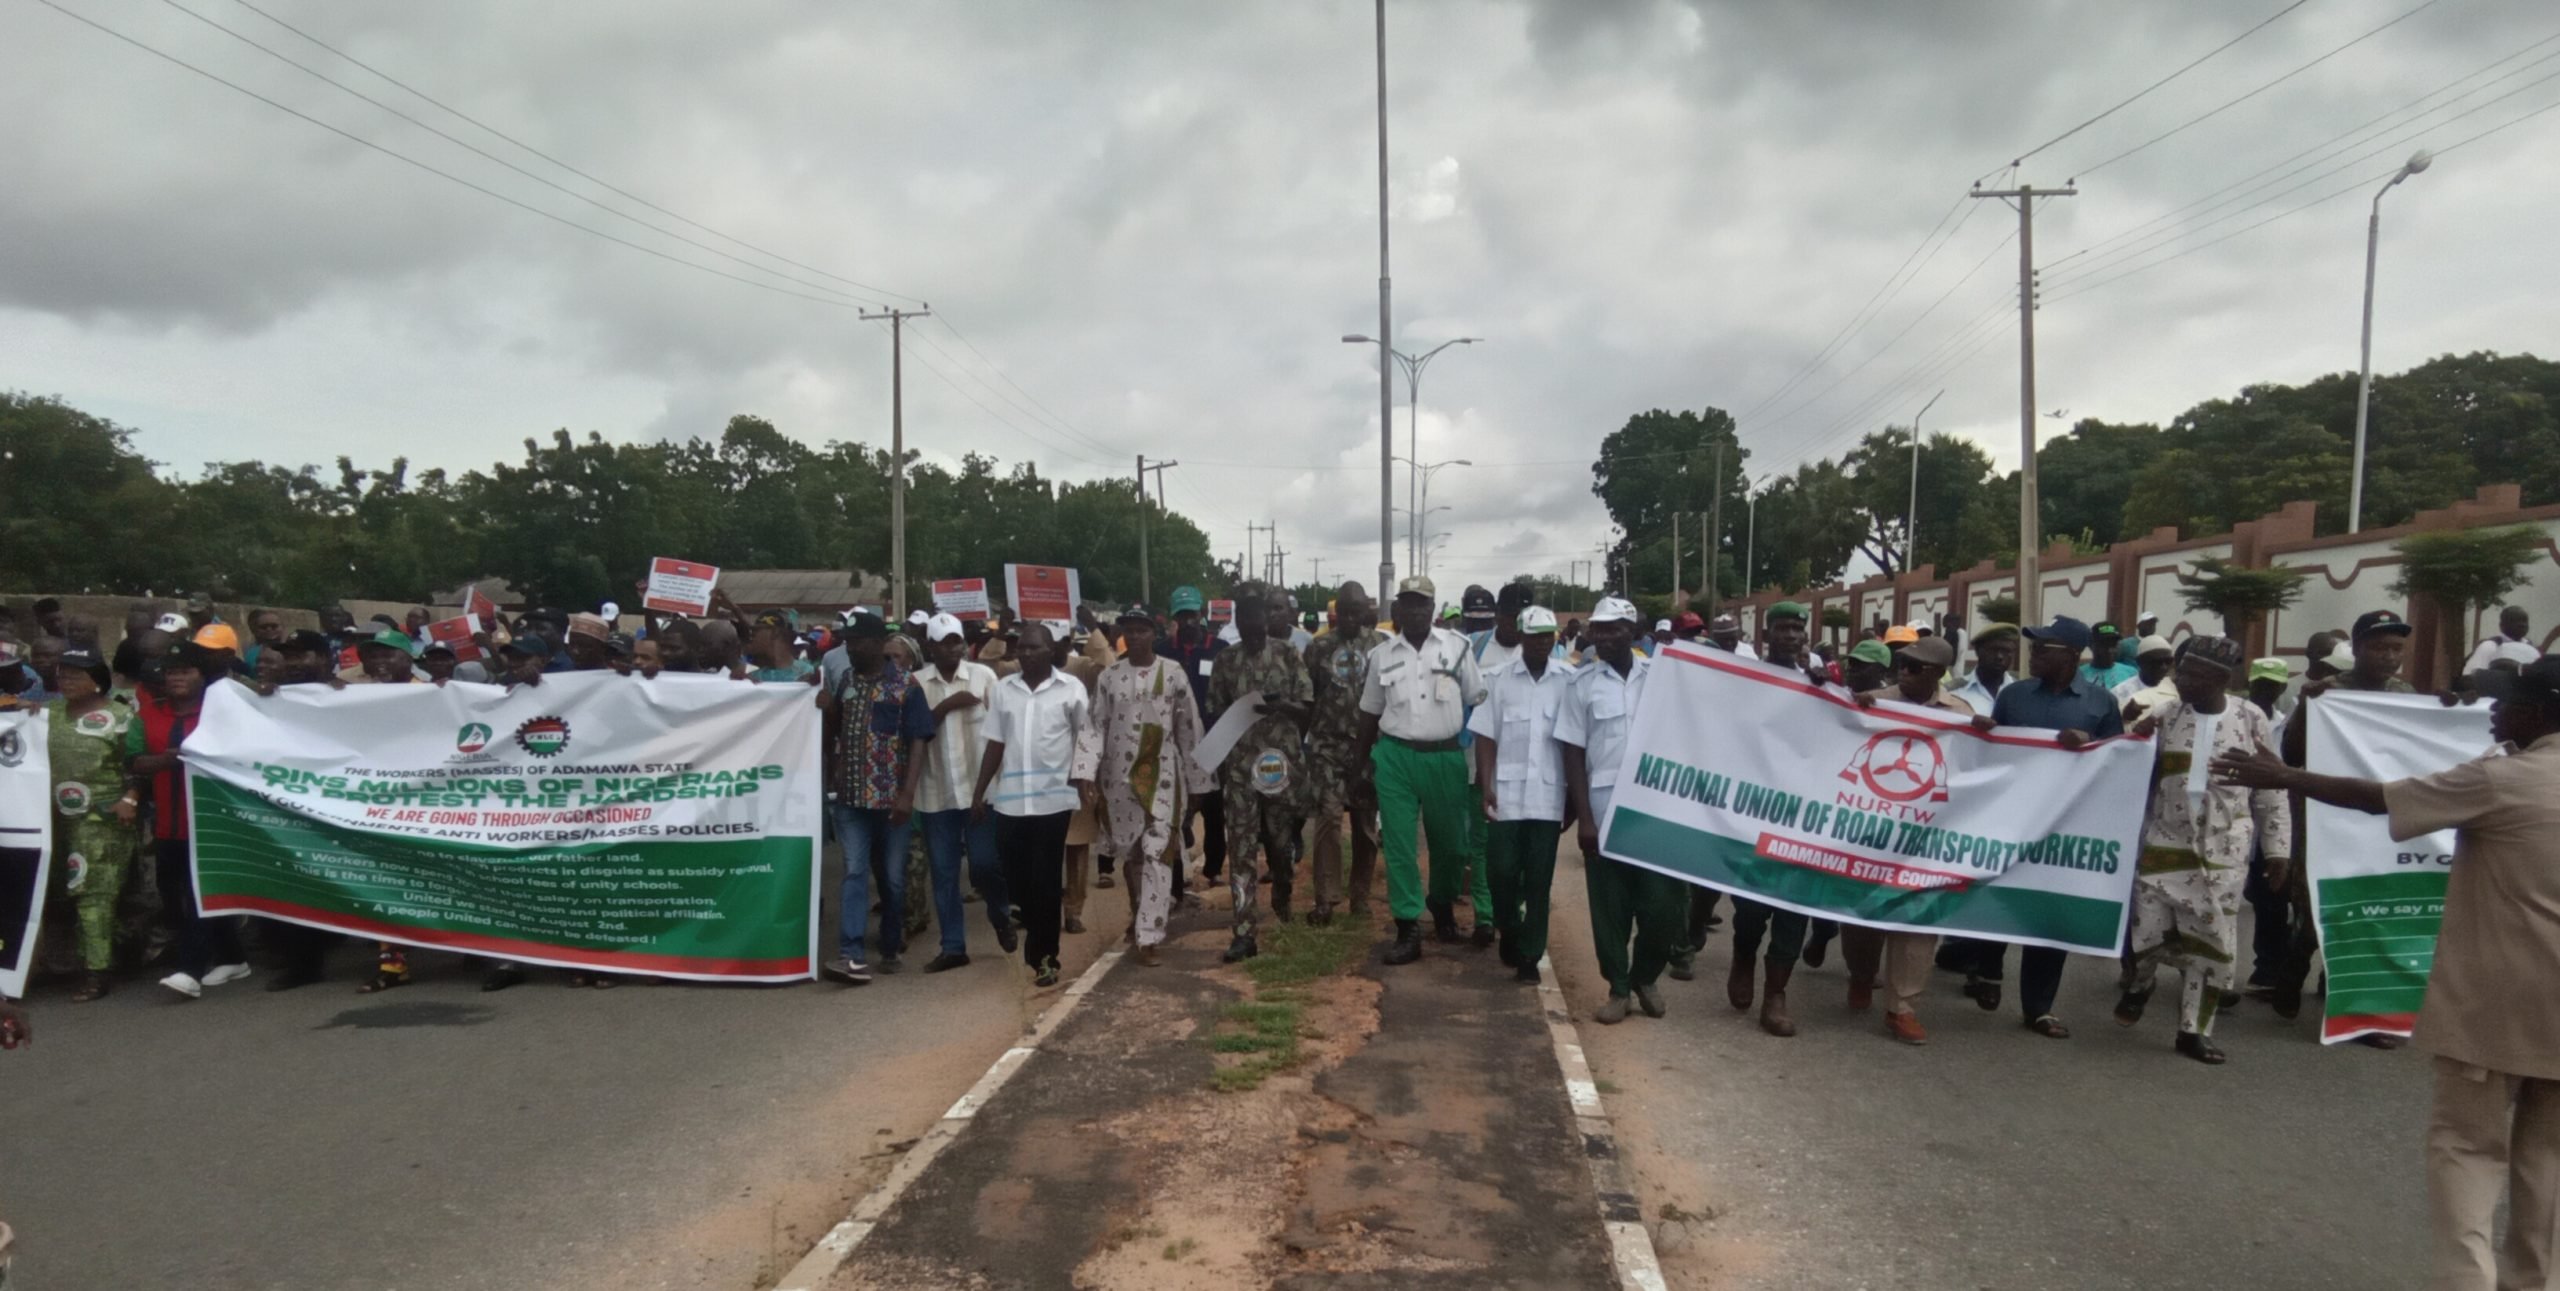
(1449, 745)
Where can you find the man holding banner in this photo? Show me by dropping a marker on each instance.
(1919, 668)
(1628, 902)
(2490, 1017)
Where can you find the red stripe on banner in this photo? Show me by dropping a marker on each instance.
(504, 947)
(1766, 675)
(1850, 865)
(2349, 1024)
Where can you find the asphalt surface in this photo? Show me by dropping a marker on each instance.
(651, 1136)
(1994, 1158)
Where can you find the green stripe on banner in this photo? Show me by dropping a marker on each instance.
(1993, 910)
(2379, 940)
(720, 900)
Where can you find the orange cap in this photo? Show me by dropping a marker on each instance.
(217, 636)
(1901, 634)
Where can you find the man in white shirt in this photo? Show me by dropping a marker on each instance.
(1032, 730)
(1520, 778)
(2514, 643)
(1412, 705)
(1995, 658)
(1628, 902)
(958, 689)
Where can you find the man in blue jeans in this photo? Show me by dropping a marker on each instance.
(876, 715)
(958, 689)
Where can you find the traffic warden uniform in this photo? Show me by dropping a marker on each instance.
(1527, 795)
(1637, 914)
(1419, 695)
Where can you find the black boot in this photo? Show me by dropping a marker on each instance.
(1241, 949)
(1408, 947)
(1280, 902)
(1444, 921)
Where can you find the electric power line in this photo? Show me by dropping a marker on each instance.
(2145, 90)
(2228, 104)
(607, 186)
(1860, 318)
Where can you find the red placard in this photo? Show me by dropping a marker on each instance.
(1049, 592)
(961, 598)
(1221, 611)
(680, 586)
(477, 603)
(456, 633)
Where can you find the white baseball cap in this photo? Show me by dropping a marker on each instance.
(919, 616)
(609, 611)
(1537, 619)
(1662, 625)
(174, 623)
(1613, 609)
(939, 626)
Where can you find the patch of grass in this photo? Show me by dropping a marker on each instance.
(1263, 1033)
(1605, 1086)
(1181, 1249)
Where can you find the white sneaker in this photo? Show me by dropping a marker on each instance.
(226, 973)
(184, 985)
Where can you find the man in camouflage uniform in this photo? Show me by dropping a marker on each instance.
(2196, 841)
(1263, 778)
(1339, 780)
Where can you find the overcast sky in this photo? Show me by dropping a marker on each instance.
(1156, 219)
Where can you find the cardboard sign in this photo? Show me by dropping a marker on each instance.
(1042, 591)
(477, 603)
(680, 586)
(1222, 611)
(961, 598)
(456, 633)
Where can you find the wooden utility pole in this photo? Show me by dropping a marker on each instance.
(1146, 586)
(1712, 548)
(897, 455)
(2030, 513)
(1675, 555)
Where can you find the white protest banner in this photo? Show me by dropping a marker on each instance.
(680, 586)
(26, 840)
(2379, 903)
(1746, 778)
(1220, 739)
(1042, 592)
(964, 599)
(666, 826)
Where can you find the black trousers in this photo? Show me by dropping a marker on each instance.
(1213, 834)
(1033, 851)
(2039, 974)
(2271, 919)
(1784, 928)
(202, 943)
(1702, 907)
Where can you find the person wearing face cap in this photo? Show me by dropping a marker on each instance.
(1661, 637)
(1413, 703)
(2150, 686)
(1919, 672)
(1144, 729)
(2490, 1020)
(1520, 780)
(2057, 695)
(2105, 669)
(1636, 913)
(2197, 838)
(876, 717)
(958, 689)
(1785, 930)
(1724, 632)
(1263, 779)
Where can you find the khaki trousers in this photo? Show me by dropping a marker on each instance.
(2488, 1131)
(1906, 958)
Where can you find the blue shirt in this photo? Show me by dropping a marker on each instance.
(2084, 707)
(2110, 676)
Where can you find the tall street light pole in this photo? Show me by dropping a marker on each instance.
(1386, 337)
(1415, 533)
(1751, 529)
(1413, 366)
(1911, 515)
(2418, 161)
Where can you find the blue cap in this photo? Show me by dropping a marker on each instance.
(2064, 630)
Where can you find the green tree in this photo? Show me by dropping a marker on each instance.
(1661, 462)
(2463, 570)
(2084, 478)
(2239, 594)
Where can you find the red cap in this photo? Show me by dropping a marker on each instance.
(1687, 620)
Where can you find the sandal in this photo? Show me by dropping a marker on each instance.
(2050, 1027)
(93, 987)
(2129, 1007)
(2201, 1049)
(383, 980)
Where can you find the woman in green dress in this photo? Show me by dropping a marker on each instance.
(93, 821)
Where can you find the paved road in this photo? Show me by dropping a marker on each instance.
(646, 1137)
(1995, 1159)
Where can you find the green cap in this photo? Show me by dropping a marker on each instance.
(1790, 610)
(1187, 597)
(1872, 651)
(2270, 670)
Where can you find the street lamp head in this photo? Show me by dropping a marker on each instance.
(1470, 340)
(1457, 461)
(1357, 339)
(2418, 161)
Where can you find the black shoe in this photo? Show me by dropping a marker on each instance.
(1816, 950)
(944, 963)
(502, 977)
(887, 963)
(1444, 921)
(293, 978)
(1408, 947)
(1525, 973)
(1280, 904)
(1240, 950)
(1986, 994)
(1008, 938)
(2129, 1007)
(1072, 926)
(2286, 1000)
(1320, 918)
(1509, 955)
(1482, 936)
(2201, 1049)
(1047, 976)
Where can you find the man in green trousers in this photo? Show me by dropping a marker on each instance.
(1520, 776)
(1412, 705)
(1629, 903)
